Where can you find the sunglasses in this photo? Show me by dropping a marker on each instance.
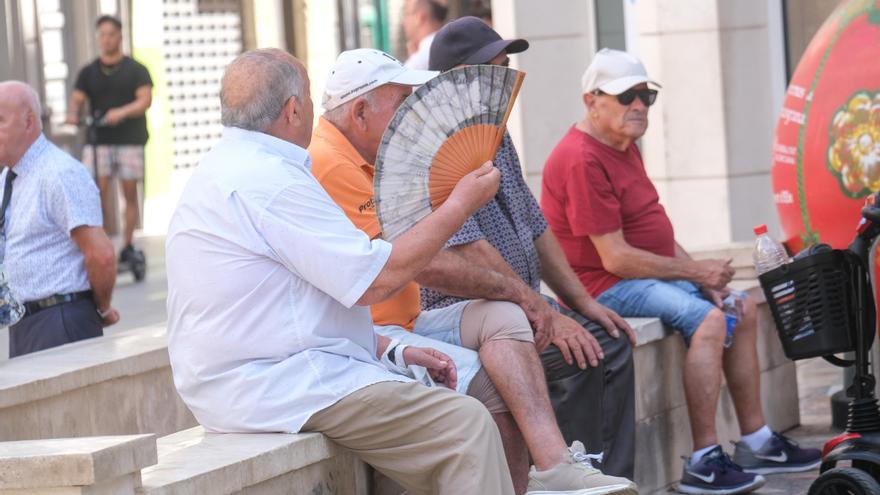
(648, 96)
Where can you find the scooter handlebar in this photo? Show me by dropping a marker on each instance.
(871, 210)
(872, 213)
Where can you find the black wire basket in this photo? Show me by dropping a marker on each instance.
(812, 304)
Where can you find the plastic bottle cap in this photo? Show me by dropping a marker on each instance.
(761, 229)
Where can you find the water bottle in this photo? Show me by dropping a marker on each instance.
(732, 308)
(768, 253)
(10, 309)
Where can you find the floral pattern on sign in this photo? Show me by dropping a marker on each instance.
(854, 145)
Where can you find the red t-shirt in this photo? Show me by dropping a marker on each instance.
(590, 188)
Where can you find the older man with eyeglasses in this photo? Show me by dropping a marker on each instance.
(607, 216)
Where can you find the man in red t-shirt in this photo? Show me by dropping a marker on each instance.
(617, 237)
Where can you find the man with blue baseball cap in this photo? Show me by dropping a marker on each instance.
(589, 366)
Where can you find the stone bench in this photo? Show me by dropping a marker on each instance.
(192, 461)
(76, 466)
(121, 384)
(184, 463)
(307, 461)
(114, 385)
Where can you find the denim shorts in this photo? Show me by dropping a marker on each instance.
(678, 303)
(440, 329)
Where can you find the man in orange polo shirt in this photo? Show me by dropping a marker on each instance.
(490, 342)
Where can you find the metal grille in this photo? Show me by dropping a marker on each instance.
(201, 38)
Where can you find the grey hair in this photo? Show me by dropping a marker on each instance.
(273, 82)
(339, 115)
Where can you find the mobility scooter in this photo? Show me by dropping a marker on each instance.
(823, 304)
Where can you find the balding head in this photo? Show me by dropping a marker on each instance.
(22, 97)
(258, 85)
(20, 123)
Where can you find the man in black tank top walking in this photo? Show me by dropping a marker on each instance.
(119, 92)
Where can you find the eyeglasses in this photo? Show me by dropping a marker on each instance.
(648, 96)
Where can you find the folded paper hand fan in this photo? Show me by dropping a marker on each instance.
(447, 128)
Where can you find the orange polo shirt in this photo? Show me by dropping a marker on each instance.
(348, 179)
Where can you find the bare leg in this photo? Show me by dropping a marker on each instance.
(104, 187)
(514, 450)
(743, 373)
(129, 190)
(702, 378)
(515, 369)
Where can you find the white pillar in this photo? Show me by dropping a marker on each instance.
(708, 145)
(269, 24)
(322, 43)
(561, 38)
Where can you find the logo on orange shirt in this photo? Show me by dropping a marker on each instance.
(369, 205)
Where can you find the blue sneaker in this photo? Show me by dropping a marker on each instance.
(777, 455)
(716, 474)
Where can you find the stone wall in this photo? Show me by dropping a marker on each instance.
(115, 385)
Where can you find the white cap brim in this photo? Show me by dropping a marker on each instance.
(406, 77)
(618, 86)
(414, 77)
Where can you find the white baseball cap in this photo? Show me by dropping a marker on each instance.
(613, 72)
(362, 70)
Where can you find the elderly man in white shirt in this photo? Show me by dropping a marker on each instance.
(269, 284)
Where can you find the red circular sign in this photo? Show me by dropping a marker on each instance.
(826, 156)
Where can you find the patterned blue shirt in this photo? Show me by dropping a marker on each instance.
(52, 194)
(510, 222)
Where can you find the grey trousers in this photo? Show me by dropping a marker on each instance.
(575, 395)
(51, 327)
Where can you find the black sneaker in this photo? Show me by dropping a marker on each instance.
(715, 473)
(777, 455)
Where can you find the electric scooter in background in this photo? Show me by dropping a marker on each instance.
(135, 262)
(823, 304)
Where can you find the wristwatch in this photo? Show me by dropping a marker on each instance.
(103, 314)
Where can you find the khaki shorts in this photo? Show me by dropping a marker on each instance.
(125, 161)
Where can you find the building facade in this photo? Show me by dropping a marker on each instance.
(724, 66)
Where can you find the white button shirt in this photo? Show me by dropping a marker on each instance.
(419, 59)
(263, 273)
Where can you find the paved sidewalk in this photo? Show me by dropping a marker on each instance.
(142, 303)
(817, 381)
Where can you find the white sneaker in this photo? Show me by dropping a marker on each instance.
(575, 475)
